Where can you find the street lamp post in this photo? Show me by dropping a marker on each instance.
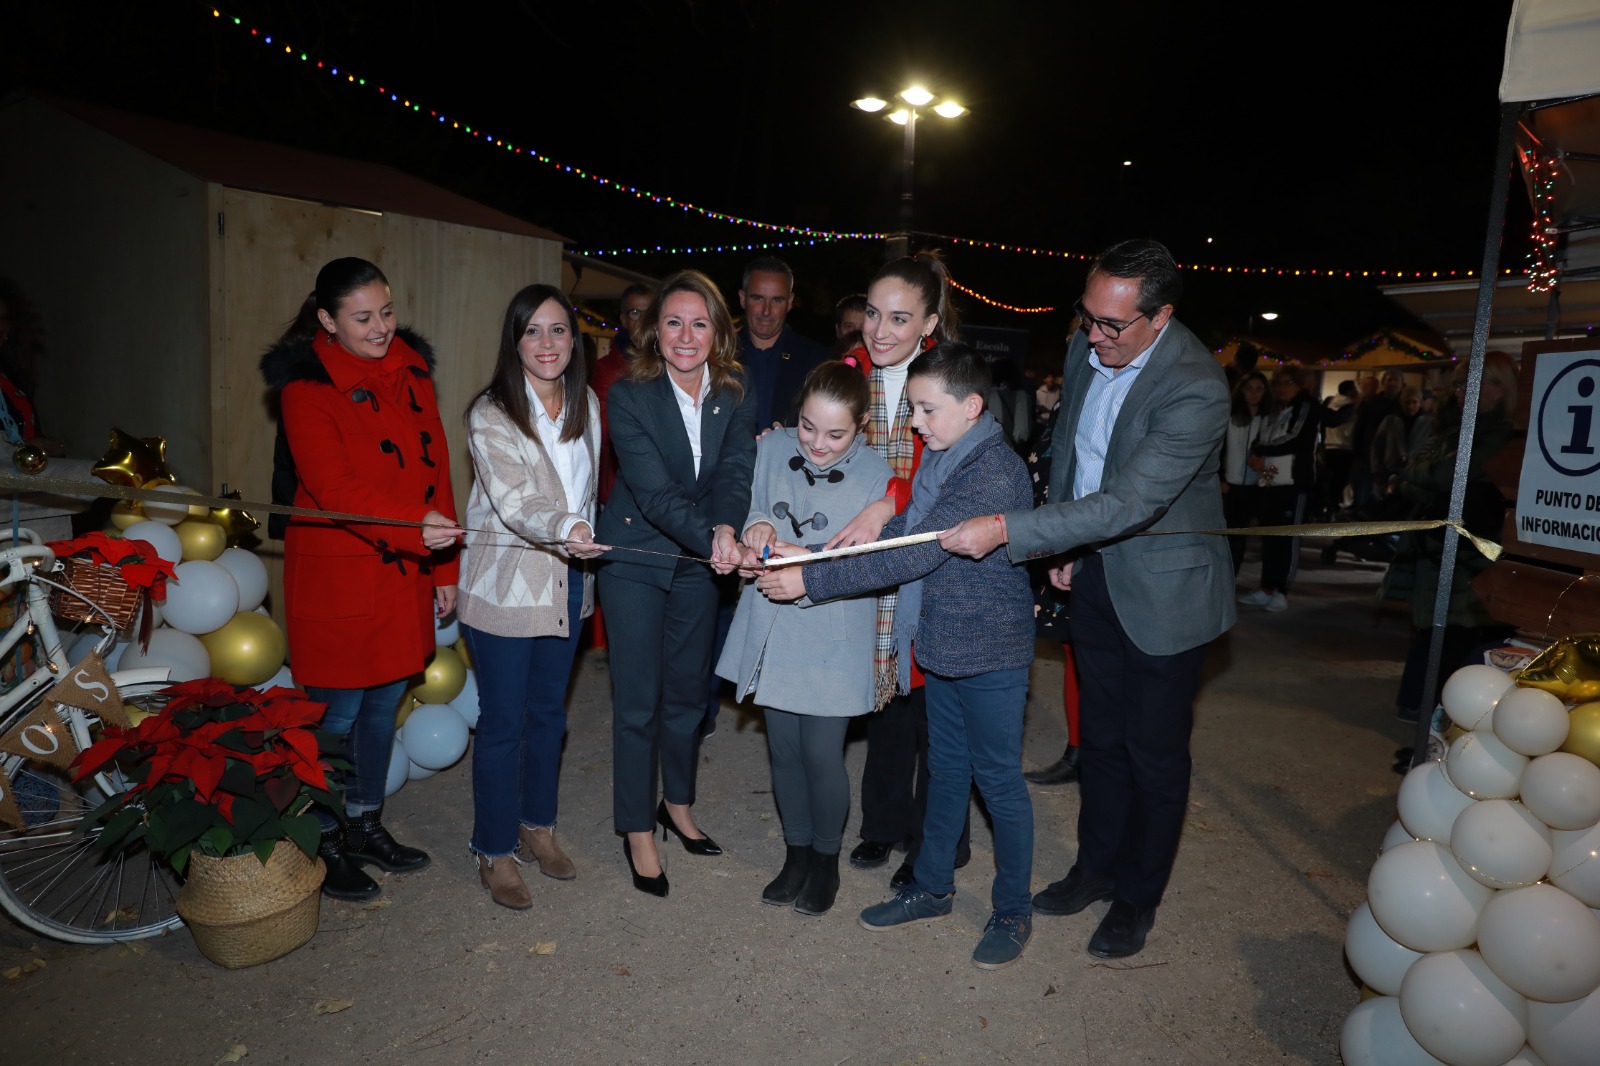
(916, 97)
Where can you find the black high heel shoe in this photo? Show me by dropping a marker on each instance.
(655, 886)
(693, 845)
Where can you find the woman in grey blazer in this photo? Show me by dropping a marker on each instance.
(682, 425)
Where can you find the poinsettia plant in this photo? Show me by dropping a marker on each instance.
(221, 768)
(141, 567)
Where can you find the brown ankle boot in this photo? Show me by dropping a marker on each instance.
(539, 845)
(504, 882)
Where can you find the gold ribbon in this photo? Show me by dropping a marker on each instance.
(59, 486)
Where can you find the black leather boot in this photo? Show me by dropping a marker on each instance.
(1064, 771)
(344, 879)
(821, 886)
(367, 841)
(786, 886)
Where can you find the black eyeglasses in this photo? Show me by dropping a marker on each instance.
(832, 477)
(1112, 330)
(818, 521)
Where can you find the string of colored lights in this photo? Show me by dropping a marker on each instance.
(1543, 269)
(954, 284)
(650, 249)
(356, 81)
(1216, 268)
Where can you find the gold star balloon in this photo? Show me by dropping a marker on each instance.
(1569, 668)
(236, 523)
(132, 461)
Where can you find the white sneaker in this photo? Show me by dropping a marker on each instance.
(1276, 602)
(1258, 598)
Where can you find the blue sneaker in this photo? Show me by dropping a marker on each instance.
(910, 904)
(1002, 942)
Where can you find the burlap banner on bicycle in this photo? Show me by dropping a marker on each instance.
(88, 686)
(19, 483)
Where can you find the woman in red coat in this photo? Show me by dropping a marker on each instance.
(363, 435)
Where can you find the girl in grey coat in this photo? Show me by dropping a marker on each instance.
(809, 665)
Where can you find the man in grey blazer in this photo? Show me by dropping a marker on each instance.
(1144, 410)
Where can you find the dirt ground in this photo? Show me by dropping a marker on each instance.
(1292, 794)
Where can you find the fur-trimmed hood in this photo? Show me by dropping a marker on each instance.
(284, 363)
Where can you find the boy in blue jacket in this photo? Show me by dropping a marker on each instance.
(970, 625)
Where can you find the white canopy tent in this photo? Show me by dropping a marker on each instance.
(1550, 116)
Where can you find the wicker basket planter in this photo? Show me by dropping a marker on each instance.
(243, 912)
(100, 582)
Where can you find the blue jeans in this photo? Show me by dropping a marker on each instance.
(975, 735)
(365, 717)
(522, 718)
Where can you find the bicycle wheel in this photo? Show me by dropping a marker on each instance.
(56, 882)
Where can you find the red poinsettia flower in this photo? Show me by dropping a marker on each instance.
(141, 567)
(212, 746)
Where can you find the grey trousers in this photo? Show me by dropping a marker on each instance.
(660, 642)
(809, 780)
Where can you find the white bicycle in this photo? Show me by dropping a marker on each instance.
(53, 879)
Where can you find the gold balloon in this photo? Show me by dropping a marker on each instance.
(166, 484)
(462, 650)
(200, 539)
(1583, 732)
(248, 650)
(1368, 992)
(132, 461)
(29, 459)
(126, 513)
(1569, 668)
(443, 678)
(236, 523)
(408, 703)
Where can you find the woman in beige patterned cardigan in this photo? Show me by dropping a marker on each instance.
(534, 432)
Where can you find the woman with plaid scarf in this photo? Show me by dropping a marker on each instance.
(908, 312)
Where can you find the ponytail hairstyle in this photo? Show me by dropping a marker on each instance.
(508, 389)
(926, 273)
(842, 383)
(647, 364)
(336, 280)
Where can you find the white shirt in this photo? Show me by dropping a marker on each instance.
(690, 408)
(894, 383)
(569, 457)
(1101, 406)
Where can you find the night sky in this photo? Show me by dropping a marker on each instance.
(1357, 136)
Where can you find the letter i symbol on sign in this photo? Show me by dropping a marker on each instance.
(1582, 422)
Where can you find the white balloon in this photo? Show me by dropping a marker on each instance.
(282, 679)
(466, 704)
(1471, 692)
(1525, 1057)
(1397, 834)
(446, 632)
(1483, 767)
(1458, 1010)
(1575, 868)
(1541, 942)
(1374, 1034)
(204, 598)
(1429, 802)
(435, 735)
(1501, 844)
(1562, 790)
(249, 573)
(1531, 721)
(81, 645)
(399, 764)
(174, 649)
(1374, 955)
(418, 773)
(168, 514)
(1565, 1034)
(159, 536)
(1422, 897)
